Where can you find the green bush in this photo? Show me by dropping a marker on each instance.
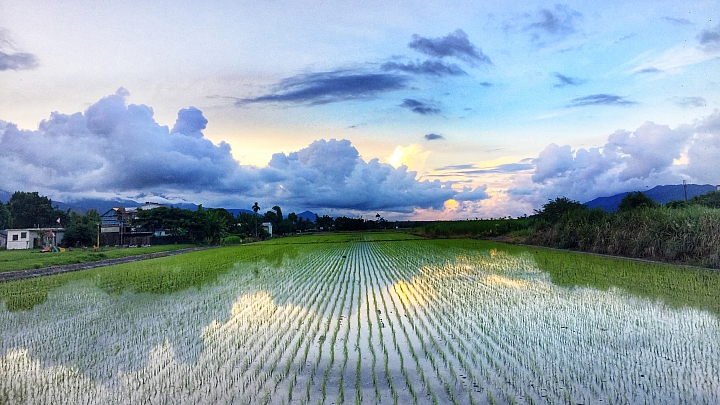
(231, 240)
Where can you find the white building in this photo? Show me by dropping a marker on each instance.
(268, 227)
(32, 238)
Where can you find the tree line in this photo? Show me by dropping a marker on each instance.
(203, 226)
(31, 210)
(679, 231)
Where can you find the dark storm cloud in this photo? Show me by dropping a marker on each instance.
(330, 87)
(432, 137)
(419, 107)
(456, 44)
(428, 67)
(567, 81)
(600, 99)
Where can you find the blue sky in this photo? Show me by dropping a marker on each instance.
(449, 110)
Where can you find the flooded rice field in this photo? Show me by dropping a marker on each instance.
(359, 322)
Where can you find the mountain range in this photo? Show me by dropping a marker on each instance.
(103, 206)
(659, 194)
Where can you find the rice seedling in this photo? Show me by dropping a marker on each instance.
(367, 320)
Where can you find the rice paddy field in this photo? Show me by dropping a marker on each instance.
(364, 319)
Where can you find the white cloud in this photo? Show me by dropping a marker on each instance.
(651, 155)
(115, 148)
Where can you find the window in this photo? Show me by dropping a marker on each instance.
(23, 235)
(15, 237)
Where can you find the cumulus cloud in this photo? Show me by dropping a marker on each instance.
(419, 107)
(428, 67)
(331, 174)
(432, 137)
(10, 59)
(476, 194)
(555, 23)
(567, 81)
(600, 99)
(456, 44)
(704, 149)
(651, 155)
(330, 87)
(118, 149)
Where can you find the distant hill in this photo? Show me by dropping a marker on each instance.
(5, 196)
(307, 215)
(659, 194)
(304, 215)
(100, 205)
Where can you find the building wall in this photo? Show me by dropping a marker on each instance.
(31, 238)
(20, 239)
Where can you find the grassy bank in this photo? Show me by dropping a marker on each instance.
(12, 260)
(478, 228)
(688, 235)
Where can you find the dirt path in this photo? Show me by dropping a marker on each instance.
(66, 268)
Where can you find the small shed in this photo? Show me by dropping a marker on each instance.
(31, 238)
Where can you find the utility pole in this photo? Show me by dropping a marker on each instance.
(685, 189)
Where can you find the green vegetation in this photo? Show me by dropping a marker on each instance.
(11, 260)
(159, 276)
(689, 235)
(29, 210)
(673, 285)
(476, 228)
(376, 317)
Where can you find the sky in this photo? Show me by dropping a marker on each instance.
(449, 110)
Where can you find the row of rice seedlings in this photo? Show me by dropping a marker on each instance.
(387, 275)
(363, 292)
(587, 338)
(260, 371)
(399, 272)
(304, 337)
(386, 358)
(374, 309)
(299, 338)
(418, 367)
(334, 279)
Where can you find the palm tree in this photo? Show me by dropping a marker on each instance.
(256, 208)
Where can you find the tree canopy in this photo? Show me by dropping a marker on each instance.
(637, 200)
(30, 210)
(554, 210)
(6, 219)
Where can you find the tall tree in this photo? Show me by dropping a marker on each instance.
(255, 209)
(30, 209)
(636, 200)
(6, 220)
(81, 230)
